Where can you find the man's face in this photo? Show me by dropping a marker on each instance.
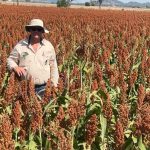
(36, 32)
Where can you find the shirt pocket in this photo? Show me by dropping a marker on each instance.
(48, 58)
(46, 61)
(25, 59)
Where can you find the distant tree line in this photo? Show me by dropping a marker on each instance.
(93, 3)
(66, 3)
(63, 3)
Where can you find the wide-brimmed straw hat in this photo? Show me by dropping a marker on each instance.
(36, 23)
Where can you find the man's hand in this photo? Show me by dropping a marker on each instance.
(20, 71)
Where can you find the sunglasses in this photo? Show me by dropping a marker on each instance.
(36, 29)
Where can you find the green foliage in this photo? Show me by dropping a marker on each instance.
(140, 144)
(92, 4)
(87, 4)
(80, 74)
(63, 3)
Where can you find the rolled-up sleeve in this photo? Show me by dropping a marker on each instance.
(12, 60)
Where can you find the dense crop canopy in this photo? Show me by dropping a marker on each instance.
(103, 97)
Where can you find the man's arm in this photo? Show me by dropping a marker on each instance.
(12, 63)
(54, 70)
(12, 60)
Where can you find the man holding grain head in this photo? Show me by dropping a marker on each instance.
(35, 57)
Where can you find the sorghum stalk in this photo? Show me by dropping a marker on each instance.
(119, 135)
(91, 129)
(6, 134)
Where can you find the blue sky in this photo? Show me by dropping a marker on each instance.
(125, 1)
(140, 1)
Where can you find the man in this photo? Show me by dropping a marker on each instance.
(35, 57)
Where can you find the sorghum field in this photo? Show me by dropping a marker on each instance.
(103, 98)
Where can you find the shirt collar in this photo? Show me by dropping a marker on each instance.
(27, 41)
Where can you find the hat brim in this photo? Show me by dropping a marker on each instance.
(28, 28)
